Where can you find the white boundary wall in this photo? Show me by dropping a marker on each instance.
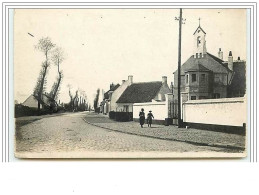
(225, 111)
(160, 110)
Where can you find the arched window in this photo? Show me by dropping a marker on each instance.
(198, 41)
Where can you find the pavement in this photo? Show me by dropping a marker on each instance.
(173, 133)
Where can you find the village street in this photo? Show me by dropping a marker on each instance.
(70, 135)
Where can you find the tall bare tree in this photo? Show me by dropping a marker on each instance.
(44, 45)
(57, 58)
(73, 104)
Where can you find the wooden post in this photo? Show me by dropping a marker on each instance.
(179, 71)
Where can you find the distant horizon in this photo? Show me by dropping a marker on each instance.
(105, 46)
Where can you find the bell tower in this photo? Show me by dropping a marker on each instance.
(199, 45)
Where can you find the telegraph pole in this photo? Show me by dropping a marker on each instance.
(179, 69)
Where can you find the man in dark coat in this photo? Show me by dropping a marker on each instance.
(142, 117)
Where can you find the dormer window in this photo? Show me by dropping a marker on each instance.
(198, 41)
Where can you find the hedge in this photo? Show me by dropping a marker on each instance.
(21, 110)
(121, 116)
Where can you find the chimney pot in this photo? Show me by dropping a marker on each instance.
(230, 61)
(238, 58)
(220, 54)
(164, 79)
(130, 78)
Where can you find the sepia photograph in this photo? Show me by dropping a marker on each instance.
(130, 83)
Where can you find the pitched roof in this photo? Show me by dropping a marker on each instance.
(215, 58)
(106, 94)
(225, 64)
(140, 92)
(209, 61)
(198, 67)
(32, 101)
(199, 27)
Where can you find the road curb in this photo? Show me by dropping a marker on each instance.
(171, 139)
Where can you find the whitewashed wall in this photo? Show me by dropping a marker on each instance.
(225, 111)
(159, 109)
(117, 93)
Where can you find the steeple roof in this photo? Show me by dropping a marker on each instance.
(199, 27)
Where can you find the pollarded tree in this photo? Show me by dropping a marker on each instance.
(44, 45)
(73, 104)
(57, 58)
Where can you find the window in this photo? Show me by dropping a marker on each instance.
(193, 97)
(187, 78)
(126, 108)
(193, 77)
(202, 97)
(197, 55)
(200, 55)
(198, 41)
(203, 77)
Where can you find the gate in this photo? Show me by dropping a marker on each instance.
(173, 111)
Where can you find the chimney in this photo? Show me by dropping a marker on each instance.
(230, 61)
(130, 79)
(122, 81)
(164, 80)
(111, 86)
(220, 54)
(238, 58)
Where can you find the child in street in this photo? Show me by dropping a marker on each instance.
(142, 117)
(149, 118)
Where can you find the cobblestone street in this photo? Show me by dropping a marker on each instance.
(70, 136)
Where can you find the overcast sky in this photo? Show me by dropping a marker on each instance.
(106, 45)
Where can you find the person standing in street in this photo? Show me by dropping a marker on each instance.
(142, 117)
(149, 118)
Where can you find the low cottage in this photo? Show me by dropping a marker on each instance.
(105, 104)
(32, 101)
(142, 93)
(116, 94)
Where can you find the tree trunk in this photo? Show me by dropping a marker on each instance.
(56, 90)
(41, 86)
(38, 107)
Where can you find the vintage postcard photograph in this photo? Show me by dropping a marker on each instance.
(130, 83)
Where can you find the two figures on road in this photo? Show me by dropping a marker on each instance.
(142, 118)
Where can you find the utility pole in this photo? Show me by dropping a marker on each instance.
(179, 69)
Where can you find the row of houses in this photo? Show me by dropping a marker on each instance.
(203, 76)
